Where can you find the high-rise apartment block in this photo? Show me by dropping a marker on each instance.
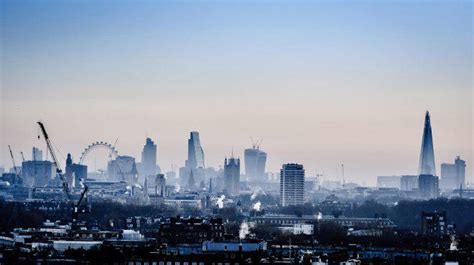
(292, 185)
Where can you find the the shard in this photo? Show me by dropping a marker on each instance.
(427, 159)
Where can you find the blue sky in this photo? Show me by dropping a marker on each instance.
(323, 82)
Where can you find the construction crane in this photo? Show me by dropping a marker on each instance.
(256, 144)
(75, 211)
(22, 156)
(13, 161)
(55, 160)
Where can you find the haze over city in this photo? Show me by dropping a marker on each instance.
(322, 83)
(236, 132)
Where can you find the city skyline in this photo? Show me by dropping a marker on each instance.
(338, 176)
(106, 72)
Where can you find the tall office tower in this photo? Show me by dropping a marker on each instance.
(232, 175)
(292, 185)
(195, 152)
(255, 160)
(427, 159)
(194, 163)
(149, 166)
(37, 154)
(428, 186)
(453, 175)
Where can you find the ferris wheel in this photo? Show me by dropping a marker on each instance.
(113, 153)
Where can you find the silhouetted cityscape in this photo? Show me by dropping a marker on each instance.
(202, 213)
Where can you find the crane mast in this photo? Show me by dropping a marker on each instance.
(13, 161)
(55, 160)
(75, 211)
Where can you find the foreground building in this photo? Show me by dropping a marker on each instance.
(292, 185)
(191, 230)
(434, 224)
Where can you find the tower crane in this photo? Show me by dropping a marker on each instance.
(13, 161)
(55, 160)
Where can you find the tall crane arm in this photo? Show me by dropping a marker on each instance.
(13, 161)
(55, 160)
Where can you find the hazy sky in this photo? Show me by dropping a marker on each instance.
(322, 82)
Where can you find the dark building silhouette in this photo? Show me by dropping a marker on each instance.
(232, 175)
(191, 230)
(292, 185)
(434, 224)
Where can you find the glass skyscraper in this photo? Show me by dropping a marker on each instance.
(195, 152)
(255, 160)
(427, 159)
(149, 158)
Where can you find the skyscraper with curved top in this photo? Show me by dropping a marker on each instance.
(427, 159)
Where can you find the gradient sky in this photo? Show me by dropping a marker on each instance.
(322, 82)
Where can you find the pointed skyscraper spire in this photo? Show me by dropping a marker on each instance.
(427, 159)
